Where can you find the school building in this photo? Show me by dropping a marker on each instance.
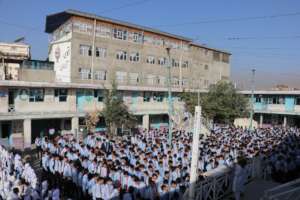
(275, 107)
(87, 52)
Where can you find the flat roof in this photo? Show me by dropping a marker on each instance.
(272, 92)
(53, 21)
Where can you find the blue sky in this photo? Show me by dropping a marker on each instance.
(271, 45)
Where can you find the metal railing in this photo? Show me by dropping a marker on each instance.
(218, 183)
(287, 191)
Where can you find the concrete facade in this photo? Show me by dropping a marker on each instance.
(86, 53)
(276, 107)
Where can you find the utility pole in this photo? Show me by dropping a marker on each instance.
(195, 153)
(252, 99)
(170, 96)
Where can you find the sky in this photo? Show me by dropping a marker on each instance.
(260, 34)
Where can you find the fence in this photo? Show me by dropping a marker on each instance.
(218, 182)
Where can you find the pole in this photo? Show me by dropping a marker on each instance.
(195, 153)
(252, 99)
(169, 97)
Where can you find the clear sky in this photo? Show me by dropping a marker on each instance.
(261, 34)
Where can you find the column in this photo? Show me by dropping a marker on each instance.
(284, 121)
(75, 124)
(62, 124)
(146, 122)
(261, 120)
(27, 133)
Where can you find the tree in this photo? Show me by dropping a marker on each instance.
(91, 120)
(222, 103)
(115, 112)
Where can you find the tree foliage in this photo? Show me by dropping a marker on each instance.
(222, 103)
(91, 120)
(115, 112)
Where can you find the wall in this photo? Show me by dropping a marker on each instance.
(3, 100)
(35, 75)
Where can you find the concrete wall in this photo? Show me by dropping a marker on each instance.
(3, 100)
(35, 75)
(197, 75)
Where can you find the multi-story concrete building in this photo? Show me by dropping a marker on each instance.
(276, 107)
(86, 53)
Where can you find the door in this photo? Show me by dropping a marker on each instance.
(5, 130)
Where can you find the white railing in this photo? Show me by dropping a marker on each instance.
(287, 191)
(218, 183)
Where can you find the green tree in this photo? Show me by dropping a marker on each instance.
(222, 103)
(115, 112)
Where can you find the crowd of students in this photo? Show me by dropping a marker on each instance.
(145, 166)
(17, 179)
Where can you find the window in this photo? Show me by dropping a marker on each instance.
(61, 94)
(121, 77)
(134, 78)
(216, 56)
(98, 94)
(134, 57)
(297, 100)
(258, 99)
(157, 96)
(161, 80)
(36, 95)
(206, 67)
(121, 55)
(120, 34)
(150, 60)
(83, 27)
(85, 73)
(184, 82)
(100, 52)
(185, 64)
(137, 37)
(175, 81)
(85, 50)
(150, 79)
(275, 100)
(206, 83)
(146, 96)
(100, 75)
(175, 63)
(103, 31)
(162, 61)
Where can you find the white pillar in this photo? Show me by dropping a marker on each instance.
(284, 121)
(146, 122)
(75, 124)
(261, 120)
(195, 153)
(27, 132)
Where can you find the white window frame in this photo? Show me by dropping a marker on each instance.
(120, 34)
(85, 50)
(134, 57)
(134, 78)
(100, 75)
(100, 52)
(121, 55)
(150, 60)
(85, 73)
(161, 61)
(121, 77)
